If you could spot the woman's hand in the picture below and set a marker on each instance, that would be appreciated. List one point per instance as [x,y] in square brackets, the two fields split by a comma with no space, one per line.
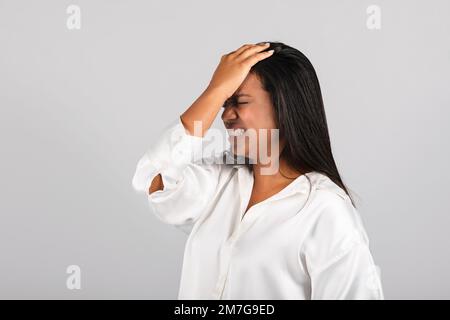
[229,75]
[235,66]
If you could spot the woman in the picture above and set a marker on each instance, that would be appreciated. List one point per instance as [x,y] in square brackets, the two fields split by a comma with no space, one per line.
[288,233]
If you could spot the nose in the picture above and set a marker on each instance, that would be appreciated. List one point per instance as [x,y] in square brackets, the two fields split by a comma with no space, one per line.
[229,113]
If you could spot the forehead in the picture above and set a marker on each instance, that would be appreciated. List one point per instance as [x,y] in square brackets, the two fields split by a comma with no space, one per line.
[250,85]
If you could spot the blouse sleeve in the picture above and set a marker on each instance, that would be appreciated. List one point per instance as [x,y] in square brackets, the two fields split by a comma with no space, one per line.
[338,258]
[188,184]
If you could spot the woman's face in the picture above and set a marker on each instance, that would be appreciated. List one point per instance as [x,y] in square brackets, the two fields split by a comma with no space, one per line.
[250,108]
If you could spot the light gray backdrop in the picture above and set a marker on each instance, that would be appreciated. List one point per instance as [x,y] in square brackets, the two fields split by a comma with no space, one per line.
[79,107]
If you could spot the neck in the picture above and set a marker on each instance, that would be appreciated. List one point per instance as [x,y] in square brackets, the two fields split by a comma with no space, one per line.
[283,175]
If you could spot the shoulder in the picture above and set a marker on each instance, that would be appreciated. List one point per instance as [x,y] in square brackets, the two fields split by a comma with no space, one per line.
[325,187]
[327,195]
[332,221]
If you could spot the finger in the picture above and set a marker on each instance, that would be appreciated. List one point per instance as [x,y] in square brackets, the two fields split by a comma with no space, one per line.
[242,48]
[238,50]
[252,60]
[252,50]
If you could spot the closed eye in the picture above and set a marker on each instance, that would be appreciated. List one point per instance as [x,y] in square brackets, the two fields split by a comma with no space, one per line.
[227,103]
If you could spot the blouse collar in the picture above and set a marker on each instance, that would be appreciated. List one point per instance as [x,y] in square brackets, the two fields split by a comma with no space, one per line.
[302,184]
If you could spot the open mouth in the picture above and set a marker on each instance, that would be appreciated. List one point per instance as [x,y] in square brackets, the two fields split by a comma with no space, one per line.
[236,132]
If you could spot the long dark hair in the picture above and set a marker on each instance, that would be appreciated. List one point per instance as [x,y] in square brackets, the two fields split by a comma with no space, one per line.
[290,79]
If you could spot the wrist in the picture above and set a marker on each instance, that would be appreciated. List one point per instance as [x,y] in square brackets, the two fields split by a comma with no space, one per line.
[217,92]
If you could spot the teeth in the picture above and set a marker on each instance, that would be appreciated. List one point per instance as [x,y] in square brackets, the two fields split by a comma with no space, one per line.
[236,132]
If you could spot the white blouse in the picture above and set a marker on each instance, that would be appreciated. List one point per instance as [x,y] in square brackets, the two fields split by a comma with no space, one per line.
[305,242]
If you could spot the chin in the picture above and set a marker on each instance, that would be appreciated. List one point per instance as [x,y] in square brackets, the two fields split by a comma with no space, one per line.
[241,153]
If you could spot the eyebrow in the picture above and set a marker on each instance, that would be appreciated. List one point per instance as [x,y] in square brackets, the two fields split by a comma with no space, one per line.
[235,96]
[242,95]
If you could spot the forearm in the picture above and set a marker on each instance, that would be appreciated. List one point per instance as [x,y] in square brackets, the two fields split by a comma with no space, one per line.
[205,110]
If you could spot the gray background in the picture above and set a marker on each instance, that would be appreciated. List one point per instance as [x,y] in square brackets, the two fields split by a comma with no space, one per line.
[79,108]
